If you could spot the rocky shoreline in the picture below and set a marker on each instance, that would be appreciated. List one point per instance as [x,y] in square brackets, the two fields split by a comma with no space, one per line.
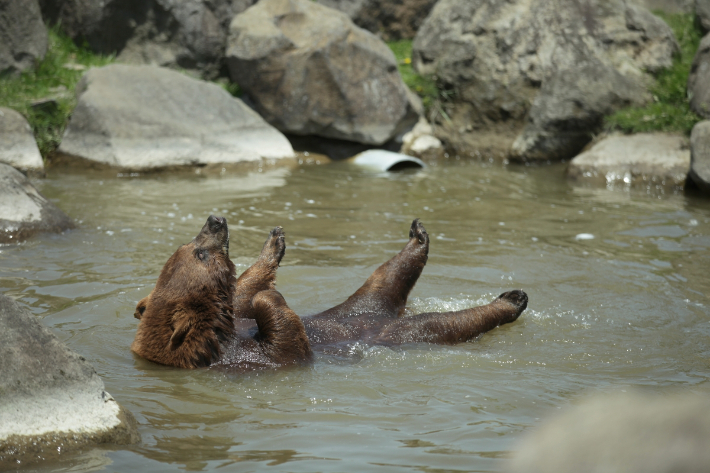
[529,81]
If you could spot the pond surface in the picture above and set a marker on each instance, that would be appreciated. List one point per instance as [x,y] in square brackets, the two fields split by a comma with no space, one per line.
[626,308]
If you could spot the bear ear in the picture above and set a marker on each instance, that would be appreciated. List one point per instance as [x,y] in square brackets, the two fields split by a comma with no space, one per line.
[140,308]
[182,328]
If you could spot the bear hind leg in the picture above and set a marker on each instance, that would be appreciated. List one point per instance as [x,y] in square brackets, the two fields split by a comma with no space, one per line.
[457,326]
[385,292]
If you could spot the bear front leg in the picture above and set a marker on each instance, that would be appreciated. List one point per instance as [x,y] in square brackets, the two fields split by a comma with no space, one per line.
[261,276]
[385,292]
[282,336]
[458,326]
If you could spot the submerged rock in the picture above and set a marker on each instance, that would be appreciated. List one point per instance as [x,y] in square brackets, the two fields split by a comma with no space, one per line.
[185,34]
[24,211]
[52,399]
[644,158]
[699,79]
[532,79]
[310,71]
[700,155]
[391,19]
[145,117]
[18,147]
[631,433]
[23,36]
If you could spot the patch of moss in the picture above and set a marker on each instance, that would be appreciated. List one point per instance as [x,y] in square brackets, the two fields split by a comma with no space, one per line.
[422,86]
[670,110]
[45,95]
[233,88]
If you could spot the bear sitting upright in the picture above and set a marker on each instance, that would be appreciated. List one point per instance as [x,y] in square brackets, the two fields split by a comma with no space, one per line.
[199,314]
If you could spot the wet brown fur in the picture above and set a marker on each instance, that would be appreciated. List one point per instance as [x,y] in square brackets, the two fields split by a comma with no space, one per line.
[188,320]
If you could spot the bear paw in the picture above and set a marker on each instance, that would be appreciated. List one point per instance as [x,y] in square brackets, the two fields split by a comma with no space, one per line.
[517,297]
[417,230]
[275,246]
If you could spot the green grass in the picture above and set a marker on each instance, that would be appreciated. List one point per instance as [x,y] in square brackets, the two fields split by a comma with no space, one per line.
[50,79]
[670,110]
[422,86]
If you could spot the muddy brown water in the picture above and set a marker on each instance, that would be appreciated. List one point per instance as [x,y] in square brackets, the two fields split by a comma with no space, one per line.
[626,309]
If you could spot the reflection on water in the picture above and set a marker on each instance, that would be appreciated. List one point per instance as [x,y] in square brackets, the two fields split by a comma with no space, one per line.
[628,307]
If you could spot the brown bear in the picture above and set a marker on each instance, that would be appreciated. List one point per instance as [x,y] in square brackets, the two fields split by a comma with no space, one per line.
[199,314]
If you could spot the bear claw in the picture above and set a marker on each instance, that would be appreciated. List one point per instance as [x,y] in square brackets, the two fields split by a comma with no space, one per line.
[417,229]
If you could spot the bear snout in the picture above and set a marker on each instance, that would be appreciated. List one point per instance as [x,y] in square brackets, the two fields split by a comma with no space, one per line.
[216,223]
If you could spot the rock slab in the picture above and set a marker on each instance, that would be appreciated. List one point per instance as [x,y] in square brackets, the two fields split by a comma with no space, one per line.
[657,158]
[23,36]
[310,71]
[24,211]
[631,433]
[18,147]
[145,117]
[699,79]
[700,155]
[541,74]
[52,398]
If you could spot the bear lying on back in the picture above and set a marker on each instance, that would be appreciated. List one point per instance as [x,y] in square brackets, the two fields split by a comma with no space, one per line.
[199,313]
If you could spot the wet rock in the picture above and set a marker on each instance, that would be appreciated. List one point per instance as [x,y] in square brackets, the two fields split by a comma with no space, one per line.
[700,155]
[643,158]
[52,399]
[699,79]
[390,19]
[23,36]
[145,117]
[24,211]
[18,147]
[633,433]
[539,75]
[702,12]
[420,142]
[186,34]
[310,71]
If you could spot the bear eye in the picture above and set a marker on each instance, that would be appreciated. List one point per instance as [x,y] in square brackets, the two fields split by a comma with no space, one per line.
[202,254]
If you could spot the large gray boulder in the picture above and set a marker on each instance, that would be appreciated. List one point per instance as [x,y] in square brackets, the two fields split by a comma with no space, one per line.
[24,211]
[699,79]
[23,36]
[533,79]
[655,159]
[51,399]
[185,34]
[310,71]
[145,117]
[18,147]
[390,19]
[700,155]
[630,433]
